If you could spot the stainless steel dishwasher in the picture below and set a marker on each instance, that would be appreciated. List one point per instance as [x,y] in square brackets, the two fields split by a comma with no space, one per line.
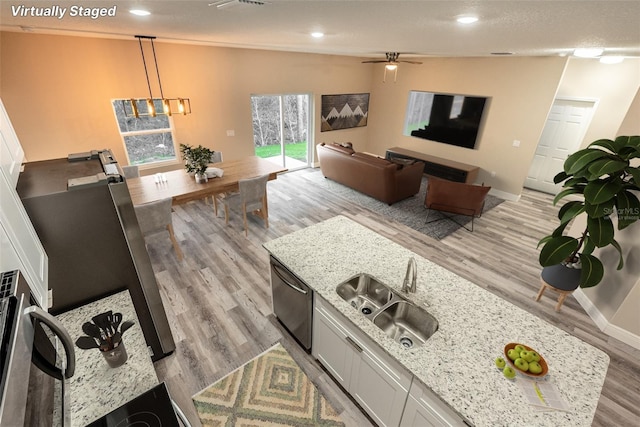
[292,303]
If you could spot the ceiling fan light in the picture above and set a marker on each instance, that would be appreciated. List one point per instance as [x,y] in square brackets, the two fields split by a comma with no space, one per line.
[391,67]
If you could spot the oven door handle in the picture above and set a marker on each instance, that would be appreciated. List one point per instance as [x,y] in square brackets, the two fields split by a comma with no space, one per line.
[57,328]
[286,282]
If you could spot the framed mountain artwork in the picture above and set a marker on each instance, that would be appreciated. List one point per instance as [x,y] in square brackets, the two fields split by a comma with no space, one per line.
[344,111]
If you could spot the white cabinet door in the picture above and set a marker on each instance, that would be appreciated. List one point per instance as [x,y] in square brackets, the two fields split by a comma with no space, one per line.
[11,153]
[377,383]
[377,390]
[425,409]
[25,241]
[330,346]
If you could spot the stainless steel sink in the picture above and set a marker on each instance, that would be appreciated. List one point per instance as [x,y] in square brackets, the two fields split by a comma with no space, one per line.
[364,293]
[406,323]
[400,319]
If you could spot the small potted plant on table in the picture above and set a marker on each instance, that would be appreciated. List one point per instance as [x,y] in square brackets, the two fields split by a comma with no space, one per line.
[196,160]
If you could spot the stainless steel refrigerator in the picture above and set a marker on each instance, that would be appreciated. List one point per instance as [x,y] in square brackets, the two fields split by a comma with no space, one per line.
[82,212]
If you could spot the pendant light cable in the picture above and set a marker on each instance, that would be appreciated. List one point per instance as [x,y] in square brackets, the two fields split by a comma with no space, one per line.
[144,62]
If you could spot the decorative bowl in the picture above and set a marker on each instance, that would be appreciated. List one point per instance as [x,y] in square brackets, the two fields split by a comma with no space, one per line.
[542,362]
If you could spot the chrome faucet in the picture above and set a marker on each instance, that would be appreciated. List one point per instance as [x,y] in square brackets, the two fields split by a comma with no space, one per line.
[410,278]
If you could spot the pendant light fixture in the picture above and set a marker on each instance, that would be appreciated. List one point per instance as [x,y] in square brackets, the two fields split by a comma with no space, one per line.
[169,105]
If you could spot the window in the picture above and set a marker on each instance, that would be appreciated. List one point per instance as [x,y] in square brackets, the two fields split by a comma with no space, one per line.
[146,139]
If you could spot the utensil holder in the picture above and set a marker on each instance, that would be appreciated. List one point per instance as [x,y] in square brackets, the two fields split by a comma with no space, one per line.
[116,356]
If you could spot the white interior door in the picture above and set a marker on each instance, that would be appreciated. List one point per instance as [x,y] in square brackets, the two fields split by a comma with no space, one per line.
[563,132]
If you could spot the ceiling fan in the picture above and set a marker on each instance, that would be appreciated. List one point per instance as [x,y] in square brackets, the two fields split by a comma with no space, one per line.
[392,64]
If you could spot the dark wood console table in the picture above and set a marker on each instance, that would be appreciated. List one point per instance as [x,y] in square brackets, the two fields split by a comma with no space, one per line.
[437,166]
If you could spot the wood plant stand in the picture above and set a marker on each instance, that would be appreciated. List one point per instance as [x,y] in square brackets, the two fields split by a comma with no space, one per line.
[563,294]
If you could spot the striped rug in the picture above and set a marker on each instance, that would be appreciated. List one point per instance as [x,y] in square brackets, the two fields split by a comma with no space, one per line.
[270,390]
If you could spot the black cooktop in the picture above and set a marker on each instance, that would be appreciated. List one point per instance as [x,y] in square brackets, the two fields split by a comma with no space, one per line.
[151,409]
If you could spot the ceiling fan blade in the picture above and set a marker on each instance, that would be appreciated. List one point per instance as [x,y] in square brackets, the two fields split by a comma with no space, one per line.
[374,61]
[410,62]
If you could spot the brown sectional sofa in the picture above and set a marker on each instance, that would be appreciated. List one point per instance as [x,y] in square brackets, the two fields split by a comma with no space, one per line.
[382,179]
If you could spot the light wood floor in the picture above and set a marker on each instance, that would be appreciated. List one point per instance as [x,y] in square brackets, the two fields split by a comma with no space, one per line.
[219,303]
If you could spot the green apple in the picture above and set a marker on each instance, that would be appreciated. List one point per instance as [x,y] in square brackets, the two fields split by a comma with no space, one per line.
[521,364]
[513,354]
[535,368]
[536,356]
[508,372]
[527,355]
[500,363]
[519,348]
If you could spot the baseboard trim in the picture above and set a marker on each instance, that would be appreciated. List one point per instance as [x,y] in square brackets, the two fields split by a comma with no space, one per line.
[504,195]
[603,323]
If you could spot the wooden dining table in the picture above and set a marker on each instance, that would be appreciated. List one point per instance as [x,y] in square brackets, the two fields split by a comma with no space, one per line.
[182,187]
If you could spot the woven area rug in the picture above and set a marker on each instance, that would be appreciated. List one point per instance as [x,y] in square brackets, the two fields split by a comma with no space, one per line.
[270,390]
[410,212]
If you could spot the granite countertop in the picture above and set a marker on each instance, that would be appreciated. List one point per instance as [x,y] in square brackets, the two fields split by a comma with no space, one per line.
[96,389]
[457,361]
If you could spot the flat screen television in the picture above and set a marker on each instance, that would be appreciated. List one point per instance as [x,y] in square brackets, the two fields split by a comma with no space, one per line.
[447,118]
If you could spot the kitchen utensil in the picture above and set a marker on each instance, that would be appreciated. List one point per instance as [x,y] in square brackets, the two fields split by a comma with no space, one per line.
[115,321]
[116,339]
[101,321]
[126,325]
[86,343]
[92,330]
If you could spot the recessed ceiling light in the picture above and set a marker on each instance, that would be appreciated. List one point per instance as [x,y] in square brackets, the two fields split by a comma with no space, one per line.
[317,34]
[612,59]
[588,52]
[140,12]
[467,19]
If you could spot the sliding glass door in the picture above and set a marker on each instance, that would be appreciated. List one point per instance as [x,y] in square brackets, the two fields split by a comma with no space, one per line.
[281,129]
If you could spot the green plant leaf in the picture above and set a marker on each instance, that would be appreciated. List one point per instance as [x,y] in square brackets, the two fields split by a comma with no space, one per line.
[576,182]
[616,245]
[600,231]
[627,208]
[592,271]
[557,250]
[627,141]
[581,159]
[628,153]
[570,210]
[606,143]
[560,176]
[544,240]
[558,231]
[587,246]
[606,167]
[600,210]
[600,191]
[566,192]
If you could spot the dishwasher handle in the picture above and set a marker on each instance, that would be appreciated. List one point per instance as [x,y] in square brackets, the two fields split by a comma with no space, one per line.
[286,282]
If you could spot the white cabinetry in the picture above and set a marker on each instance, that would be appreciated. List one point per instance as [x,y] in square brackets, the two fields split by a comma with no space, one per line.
[425,409]
[19,238]
[372,378]
[11,153]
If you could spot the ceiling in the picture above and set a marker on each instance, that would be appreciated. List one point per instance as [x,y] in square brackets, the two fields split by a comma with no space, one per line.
[363,28]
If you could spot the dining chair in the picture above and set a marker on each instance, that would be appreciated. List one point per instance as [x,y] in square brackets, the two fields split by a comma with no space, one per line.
[131,171]
[154,217]
[216,157]
[251,197]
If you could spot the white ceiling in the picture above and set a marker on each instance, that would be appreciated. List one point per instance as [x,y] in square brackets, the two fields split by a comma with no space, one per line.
[362,28]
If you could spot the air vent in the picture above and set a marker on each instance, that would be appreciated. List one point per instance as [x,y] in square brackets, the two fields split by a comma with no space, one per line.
[228,3]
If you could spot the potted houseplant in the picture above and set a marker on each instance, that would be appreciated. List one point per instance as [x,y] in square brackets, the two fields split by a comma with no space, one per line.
[600,180]
[196,160]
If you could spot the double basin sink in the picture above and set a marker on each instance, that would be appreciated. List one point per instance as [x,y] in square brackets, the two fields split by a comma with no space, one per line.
[400,319]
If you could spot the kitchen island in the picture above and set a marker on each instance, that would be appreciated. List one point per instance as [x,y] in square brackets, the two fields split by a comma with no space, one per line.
[456,363]
[96,389]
